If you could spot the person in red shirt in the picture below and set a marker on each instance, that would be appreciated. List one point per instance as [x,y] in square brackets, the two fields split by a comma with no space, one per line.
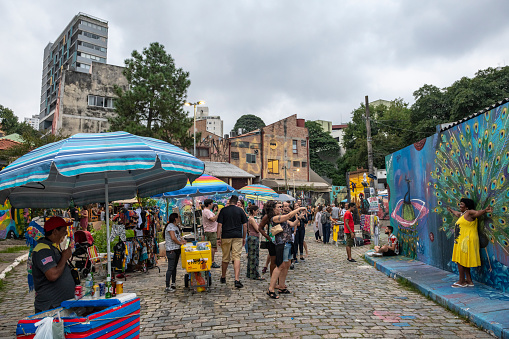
[349,230]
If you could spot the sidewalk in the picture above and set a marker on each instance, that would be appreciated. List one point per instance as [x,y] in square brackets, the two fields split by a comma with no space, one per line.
[484,306]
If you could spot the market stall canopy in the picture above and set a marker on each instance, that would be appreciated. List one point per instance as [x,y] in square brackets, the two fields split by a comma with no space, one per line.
[259,190]
[315,186]
[82,167]
[285,197]
[204,185]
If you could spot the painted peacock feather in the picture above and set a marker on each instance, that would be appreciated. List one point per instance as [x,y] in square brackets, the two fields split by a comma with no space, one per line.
[472,161]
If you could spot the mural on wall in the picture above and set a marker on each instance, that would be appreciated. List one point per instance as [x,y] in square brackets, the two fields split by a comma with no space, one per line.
[338,194]
[467,160]
[8,227]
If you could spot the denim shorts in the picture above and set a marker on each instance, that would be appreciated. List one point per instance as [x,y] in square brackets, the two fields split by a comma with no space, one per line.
[287,253]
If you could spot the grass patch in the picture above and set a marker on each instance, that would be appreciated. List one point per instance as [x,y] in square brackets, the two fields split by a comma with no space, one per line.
[14,249]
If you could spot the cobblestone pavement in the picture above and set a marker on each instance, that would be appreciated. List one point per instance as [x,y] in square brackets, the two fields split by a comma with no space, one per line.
[331,298]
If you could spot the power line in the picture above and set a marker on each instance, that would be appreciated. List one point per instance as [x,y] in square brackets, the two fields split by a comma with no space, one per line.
[403,129]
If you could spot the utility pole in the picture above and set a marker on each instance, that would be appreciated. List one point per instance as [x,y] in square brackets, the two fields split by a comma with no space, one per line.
[370,146]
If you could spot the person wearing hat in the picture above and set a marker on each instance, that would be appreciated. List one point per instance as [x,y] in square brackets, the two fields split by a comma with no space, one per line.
[53,281]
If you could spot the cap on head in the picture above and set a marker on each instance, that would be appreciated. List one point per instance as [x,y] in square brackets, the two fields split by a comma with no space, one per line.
[55,222]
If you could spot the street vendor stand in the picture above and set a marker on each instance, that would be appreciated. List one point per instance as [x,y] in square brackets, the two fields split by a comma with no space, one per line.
[196,259]
[97,167]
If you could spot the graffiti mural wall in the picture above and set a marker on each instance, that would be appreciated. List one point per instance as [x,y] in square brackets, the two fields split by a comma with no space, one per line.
[467,160]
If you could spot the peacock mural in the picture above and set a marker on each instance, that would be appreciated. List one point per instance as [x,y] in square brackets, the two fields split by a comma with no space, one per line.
[469,159]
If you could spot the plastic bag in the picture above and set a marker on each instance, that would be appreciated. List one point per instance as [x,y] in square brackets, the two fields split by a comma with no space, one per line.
[44,328]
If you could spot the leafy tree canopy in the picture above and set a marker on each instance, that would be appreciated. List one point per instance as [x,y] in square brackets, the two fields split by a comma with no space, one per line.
[323,151]
[153,104]
[249,122]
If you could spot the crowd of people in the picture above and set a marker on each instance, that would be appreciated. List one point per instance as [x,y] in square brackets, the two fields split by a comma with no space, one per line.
[278,227]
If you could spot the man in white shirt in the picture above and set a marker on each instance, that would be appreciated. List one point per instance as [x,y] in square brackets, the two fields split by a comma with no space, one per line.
[392,247]
[209,220]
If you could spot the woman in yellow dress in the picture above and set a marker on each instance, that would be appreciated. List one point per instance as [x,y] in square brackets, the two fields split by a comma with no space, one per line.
[465,252]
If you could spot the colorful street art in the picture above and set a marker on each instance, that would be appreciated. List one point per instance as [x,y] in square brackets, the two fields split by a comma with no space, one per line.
[8,227]
[338,194]
[467,160]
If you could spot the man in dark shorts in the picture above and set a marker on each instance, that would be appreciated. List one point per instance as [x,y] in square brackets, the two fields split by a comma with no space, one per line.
[349,231]
[392,248]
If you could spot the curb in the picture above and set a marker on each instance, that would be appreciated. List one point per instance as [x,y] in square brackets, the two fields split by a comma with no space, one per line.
[16,262]
[479,319]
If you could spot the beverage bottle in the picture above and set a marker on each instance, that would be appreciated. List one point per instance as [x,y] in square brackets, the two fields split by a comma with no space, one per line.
[113,286]
[108,287]
[89,283]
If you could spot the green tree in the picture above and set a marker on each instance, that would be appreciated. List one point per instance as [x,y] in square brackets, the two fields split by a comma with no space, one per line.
[153,104]
[323,152]
[8,120]
[249,122]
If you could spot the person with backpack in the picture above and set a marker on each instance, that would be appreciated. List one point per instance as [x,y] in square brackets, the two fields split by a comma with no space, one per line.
[173,237]
[326,220]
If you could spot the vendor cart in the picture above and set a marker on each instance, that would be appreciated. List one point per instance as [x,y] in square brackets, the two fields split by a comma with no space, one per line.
[197,260]
[117,317]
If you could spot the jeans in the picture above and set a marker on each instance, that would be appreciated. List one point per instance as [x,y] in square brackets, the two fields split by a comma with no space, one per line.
[299,239]
[326,233]
[173,259]
[287,252]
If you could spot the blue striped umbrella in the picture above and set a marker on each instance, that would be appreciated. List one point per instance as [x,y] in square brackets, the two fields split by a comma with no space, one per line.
[77,169]
[96,167]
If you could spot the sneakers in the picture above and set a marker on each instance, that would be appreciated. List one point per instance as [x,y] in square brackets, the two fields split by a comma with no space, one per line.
[223,280]
[238,284]
[292,266]
[170,289]
[214,265]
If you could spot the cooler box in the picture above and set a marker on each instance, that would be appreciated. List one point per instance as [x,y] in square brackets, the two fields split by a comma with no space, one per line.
[117,317]
[196,258]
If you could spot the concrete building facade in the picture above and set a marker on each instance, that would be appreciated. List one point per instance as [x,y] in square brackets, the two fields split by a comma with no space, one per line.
[87,100]
[33,121]
[84,40]
[214,124]
[338,131]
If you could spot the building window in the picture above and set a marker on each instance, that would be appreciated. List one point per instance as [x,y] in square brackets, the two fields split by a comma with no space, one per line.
[251,158]
[235,155]
[273,166]
[93,36]
[304,164]
[294,146]
[98,101]
[85,66]
[92,46]
[203,152]
[89,24]
[303,143]
[296,164]
[92,57]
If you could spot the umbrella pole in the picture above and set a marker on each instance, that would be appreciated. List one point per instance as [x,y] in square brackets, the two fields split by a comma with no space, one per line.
[107,222]
[194,220]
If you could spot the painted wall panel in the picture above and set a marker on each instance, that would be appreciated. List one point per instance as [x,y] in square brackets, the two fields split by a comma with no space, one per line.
[467,160]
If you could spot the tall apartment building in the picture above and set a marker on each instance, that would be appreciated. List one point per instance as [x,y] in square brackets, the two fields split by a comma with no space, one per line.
[33,121]
[214,123]
[85,39]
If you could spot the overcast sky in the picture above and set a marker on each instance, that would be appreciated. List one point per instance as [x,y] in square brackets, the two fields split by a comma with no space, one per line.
[316,59]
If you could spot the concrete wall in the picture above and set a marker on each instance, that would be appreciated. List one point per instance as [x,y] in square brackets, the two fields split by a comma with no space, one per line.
[76,116]
[254,147]
[467,160]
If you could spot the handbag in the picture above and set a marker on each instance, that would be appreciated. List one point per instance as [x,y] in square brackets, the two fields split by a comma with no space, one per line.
[264,244]
[276,229]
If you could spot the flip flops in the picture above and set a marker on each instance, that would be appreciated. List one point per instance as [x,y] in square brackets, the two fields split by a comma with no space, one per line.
[272,295]
[284,291]
[456,285]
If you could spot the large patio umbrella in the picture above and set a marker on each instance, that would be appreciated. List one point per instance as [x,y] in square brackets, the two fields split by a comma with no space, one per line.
[285,197]
[259,190]
[204,185]
[96,167]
